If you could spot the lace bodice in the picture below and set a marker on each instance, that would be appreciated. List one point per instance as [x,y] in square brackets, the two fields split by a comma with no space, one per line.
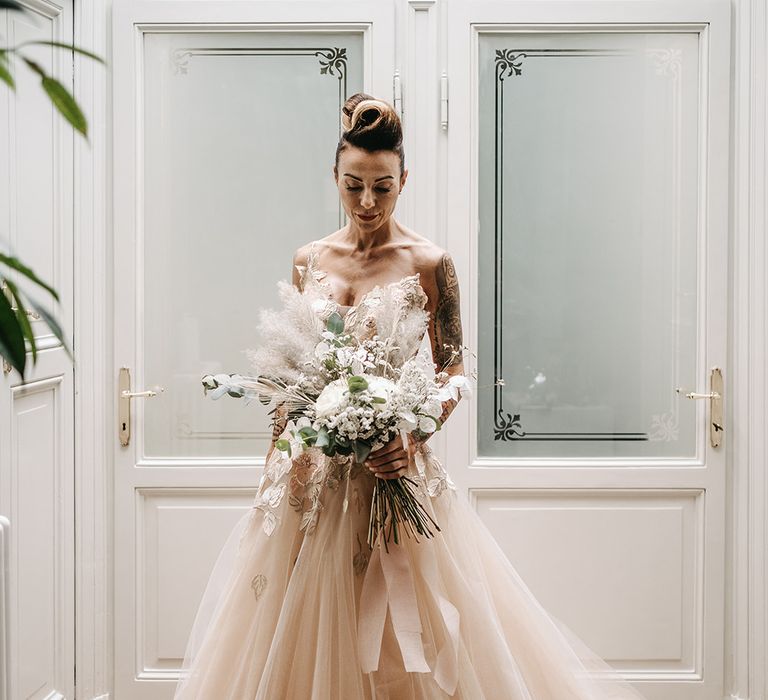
[379,311]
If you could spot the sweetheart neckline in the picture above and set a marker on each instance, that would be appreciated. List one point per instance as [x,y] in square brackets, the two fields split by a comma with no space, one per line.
[324,285]
[373,289]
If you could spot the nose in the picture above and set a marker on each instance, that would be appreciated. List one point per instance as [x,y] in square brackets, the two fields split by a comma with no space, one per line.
[367,200]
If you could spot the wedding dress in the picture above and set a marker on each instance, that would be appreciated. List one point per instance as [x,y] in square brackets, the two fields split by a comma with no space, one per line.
[299,607]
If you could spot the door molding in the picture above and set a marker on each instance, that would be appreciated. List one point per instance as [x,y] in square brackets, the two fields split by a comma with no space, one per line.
[94,379]
[747,541]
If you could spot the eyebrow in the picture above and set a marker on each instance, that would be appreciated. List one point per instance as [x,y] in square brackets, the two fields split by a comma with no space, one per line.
[376,180]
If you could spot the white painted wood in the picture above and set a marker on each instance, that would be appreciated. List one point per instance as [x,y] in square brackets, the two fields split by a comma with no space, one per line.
[5,607]
[93,380]
[747,639]
[686,659]
[36,418]
[157,587]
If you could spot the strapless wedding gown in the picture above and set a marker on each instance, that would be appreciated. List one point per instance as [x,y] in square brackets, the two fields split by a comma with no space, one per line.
[299,607]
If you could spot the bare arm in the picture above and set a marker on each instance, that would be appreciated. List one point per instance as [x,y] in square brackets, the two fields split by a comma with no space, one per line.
[445,331]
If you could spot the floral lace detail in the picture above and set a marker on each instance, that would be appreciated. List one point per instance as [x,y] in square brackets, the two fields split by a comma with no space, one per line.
[268,500]
[432,474]
[258,584]
[361,558]
[312,491]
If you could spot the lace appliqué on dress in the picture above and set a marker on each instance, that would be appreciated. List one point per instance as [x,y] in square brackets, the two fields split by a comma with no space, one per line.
[432,474]
[258,584]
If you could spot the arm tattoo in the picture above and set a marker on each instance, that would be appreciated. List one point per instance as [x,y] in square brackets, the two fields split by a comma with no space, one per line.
[447,340]
[447,320]
[279,421]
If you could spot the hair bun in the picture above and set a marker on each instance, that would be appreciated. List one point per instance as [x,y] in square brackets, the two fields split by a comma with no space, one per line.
[371,124]
[366,113]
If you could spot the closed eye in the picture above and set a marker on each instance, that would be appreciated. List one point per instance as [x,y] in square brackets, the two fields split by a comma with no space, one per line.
[379,189]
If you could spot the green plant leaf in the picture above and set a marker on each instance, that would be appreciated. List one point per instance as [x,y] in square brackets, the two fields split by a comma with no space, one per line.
[16,264]
[356,383]
[283,445]
[11,337]
[23,319]
[323,439]
[52,323]
[5,74]
[34,65]
[362,450]
[66,104]
[60,97]
[335,323]
[72,47]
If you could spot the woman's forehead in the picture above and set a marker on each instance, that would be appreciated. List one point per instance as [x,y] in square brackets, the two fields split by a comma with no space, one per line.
[367,164]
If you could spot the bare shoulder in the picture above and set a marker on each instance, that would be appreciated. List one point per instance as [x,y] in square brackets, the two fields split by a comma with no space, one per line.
[300,256]
[427,255]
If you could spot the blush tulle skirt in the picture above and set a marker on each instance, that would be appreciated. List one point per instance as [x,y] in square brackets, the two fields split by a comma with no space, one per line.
[299,607]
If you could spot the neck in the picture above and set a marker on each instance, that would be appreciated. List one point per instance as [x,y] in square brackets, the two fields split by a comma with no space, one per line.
[364,241]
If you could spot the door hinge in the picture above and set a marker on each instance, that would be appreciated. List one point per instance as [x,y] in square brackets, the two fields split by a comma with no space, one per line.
[397,94]
[444,101]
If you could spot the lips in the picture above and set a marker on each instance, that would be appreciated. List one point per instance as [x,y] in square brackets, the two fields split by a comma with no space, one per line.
[367,218]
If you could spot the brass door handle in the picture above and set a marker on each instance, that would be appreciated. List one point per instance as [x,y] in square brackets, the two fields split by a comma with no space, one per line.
[715,397]
[124,403]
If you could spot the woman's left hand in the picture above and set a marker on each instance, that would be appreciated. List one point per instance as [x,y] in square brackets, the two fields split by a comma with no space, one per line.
[391,461]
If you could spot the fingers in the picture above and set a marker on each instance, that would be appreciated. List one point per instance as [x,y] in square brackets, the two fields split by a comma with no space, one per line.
[390,461]
[393,445]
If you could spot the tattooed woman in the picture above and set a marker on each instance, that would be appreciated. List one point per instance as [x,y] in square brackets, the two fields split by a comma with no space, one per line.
[300,606]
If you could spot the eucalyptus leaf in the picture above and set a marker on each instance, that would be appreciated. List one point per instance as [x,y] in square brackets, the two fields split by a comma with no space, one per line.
[323,439]
[283,445]
[335,323]
[362,450]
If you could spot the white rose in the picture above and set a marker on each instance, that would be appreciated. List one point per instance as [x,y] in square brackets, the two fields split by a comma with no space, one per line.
[380,387]
[331,398]
[426,424]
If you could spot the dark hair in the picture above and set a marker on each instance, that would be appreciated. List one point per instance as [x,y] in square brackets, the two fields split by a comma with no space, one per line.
[372,124]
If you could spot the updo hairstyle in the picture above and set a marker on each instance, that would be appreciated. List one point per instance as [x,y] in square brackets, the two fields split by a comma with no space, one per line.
[371,124]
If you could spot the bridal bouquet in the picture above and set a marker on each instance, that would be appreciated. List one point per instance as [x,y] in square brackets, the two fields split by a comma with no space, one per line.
[348,393]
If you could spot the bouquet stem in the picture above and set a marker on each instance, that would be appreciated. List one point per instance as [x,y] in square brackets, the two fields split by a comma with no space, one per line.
[394,502]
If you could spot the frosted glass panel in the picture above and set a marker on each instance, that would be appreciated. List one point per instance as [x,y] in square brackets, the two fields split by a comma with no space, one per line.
[240,138]
[588,244]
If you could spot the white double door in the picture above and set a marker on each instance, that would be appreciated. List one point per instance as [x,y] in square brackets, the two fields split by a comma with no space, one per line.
[572,158]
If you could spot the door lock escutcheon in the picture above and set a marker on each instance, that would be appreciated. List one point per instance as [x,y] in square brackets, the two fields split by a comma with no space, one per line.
[715,396]
[124,403]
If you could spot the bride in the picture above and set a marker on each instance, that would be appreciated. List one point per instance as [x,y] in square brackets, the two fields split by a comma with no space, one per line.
[298,605]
